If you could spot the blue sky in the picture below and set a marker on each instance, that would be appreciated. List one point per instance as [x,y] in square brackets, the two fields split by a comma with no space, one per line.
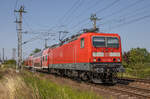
[129,18]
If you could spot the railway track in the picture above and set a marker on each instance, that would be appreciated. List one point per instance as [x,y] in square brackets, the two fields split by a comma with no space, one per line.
[133,91]
[126,91]
[135,80]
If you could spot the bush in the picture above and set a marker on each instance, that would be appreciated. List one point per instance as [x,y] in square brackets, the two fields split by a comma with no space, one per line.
[139,71]
[12,62]
[137,61]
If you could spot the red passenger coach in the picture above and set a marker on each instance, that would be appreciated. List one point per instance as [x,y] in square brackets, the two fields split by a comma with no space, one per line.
[37,60]
[30,61]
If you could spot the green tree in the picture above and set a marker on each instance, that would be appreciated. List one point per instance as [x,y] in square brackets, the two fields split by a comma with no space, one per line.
[137,59]
[138,55]
[10,62]
[35,51]
[125,61]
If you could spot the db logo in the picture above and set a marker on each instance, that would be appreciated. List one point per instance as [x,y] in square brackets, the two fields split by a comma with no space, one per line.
[106,60]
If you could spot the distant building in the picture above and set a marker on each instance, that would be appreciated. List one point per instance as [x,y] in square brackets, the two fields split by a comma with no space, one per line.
[14,54]
[0,61]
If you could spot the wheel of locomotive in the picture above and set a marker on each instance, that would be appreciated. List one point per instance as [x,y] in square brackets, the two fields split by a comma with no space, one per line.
[74,74]
[58,72]
[114,77]
[84,76]
[69,73]
[96,78]
[62,72]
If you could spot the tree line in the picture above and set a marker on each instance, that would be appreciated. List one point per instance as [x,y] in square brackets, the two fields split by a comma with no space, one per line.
[137,62]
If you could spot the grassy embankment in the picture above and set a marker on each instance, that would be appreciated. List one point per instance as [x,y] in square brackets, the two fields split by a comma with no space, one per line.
[27,85]
[46,89]
[141,71]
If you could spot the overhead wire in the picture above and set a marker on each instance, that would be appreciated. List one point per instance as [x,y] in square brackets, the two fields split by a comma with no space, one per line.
[132,21]
[126,14]
[134,16]
[68,18]
[88,8]
[123,9]
[63,18]
[82,21]
[130,14]
[102,9]
[33,39]
[27,24]
[136,10]
[40,36]
[105,8]
[15,6]
[108,6]
[68,11]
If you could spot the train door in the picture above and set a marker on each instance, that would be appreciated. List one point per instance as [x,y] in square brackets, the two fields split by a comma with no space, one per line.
[50,55]
[41,61]
[74,56]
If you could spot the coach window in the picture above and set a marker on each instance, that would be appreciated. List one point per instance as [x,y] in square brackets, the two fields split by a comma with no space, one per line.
[82,43]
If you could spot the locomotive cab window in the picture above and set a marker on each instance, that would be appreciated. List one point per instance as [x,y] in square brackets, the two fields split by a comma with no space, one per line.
[82,43]
[99,41]
[112,42]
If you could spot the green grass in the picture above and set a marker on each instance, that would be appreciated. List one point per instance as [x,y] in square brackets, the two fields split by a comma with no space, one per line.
[137,73]
[1,76]
[13,66]
[36,86]
[45,89]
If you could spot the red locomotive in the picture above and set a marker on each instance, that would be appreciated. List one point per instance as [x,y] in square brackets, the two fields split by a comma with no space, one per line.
[90,56]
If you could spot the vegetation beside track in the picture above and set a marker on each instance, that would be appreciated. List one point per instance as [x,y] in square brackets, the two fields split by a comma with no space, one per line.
[46,89]
[29,85]
[140,73]
[137,63]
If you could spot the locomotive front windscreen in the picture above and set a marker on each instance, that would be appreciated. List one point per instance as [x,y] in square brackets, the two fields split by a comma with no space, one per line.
[99,41]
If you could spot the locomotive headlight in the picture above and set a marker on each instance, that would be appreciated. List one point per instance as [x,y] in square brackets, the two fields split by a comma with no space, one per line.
[94,60]
[118,59]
